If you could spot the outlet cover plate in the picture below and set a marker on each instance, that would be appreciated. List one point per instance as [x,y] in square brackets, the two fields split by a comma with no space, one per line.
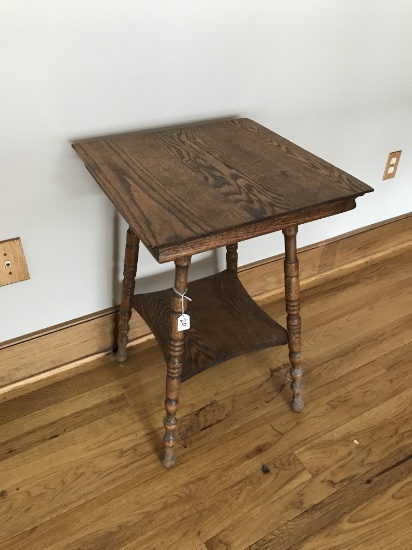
[391,165]
[13,267]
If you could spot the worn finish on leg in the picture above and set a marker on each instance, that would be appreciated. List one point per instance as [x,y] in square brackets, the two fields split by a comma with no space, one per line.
[293,315]
[231,257]
[175,361]
[129,275]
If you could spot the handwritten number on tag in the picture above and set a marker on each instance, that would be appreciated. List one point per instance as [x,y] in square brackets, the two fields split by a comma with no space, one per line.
[183,322]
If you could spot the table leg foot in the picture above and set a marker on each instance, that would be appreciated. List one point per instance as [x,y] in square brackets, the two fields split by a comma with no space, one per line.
[121,356]
[129,275]
[169,457]
[292,294]
[296,385]
[169,462]
[175,361]
[297,404]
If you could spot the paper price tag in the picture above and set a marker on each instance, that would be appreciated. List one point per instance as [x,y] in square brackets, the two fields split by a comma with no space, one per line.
[183,322]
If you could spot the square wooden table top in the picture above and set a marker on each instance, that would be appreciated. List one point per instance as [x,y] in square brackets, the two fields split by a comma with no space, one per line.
[192,188]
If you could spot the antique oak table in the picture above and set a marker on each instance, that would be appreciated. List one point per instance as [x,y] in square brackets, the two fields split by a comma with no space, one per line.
[194,188]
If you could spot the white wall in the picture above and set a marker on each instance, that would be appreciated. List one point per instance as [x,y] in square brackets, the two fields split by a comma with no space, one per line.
[335,77]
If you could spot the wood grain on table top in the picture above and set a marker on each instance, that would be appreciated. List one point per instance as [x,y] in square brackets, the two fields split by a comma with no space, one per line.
[179,184]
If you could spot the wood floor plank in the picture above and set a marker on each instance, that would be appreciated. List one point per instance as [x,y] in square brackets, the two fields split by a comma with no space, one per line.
[348,404]
[367,507]
[364,441]
[105,371]
[264,520]
[269,400]
[143,528]
[327,481]
[63,425]
[372,318]
[397,356]
[63,475]
[339,463]
[271,527]
[153,505]
[228,506]
[366,344]
[66,407]
[386,516]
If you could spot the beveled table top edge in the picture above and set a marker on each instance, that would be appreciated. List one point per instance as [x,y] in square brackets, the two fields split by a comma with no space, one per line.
[190,247]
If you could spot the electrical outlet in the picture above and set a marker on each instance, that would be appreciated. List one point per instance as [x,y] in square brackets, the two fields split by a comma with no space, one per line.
[13,267]
[391,165]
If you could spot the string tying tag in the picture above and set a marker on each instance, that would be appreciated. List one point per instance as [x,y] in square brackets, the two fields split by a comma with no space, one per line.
[183,321]
[183,296]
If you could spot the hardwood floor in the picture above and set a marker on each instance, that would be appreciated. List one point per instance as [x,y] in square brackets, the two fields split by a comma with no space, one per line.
[79,458]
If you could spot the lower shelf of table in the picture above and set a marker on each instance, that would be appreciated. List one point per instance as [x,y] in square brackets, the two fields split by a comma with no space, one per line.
[225,322]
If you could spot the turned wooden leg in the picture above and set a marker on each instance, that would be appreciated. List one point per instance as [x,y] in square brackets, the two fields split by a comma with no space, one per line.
[129,275]
[231,257]
[175,361]
[293,315]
